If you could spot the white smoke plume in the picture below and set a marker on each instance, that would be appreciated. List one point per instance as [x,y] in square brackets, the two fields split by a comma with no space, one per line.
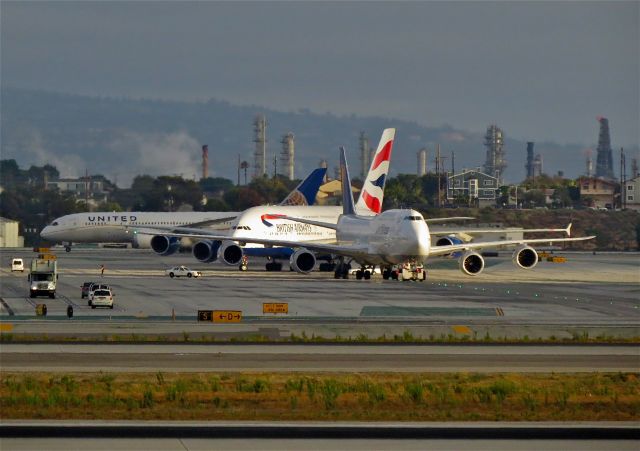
[31,150]
[154,154]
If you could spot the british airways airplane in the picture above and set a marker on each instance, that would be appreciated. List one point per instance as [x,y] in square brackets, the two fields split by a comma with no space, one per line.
[271,222]
[122,227]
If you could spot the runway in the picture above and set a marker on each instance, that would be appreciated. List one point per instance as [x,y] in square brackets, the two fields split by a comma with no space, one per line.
[587,296]
[318,358]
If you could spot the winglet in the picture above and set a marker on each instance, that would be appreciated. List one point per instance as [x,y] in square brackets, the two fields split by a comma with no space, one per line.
[305,193]
[347,195]
[568,230]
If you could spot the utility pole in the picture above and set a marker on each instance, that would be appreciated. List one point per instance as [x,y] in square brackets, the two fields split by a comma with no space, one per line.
[623,181]
[438,173]
[453,163]
[238,170]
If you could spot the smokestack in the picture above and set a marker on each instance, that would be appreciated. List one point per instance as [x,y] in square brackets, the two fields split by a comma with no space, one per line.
[288,152]
[260,155]
[205,161]
[325,165]
[422,162]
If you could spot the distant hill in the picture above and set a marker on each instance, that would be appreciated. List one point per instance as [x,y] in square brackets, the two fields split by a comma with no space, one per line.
[122,137]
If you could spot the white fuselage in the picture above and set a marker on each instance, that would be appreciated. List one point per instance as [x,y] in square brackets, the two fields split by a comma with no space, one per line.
[392,237]
[103,227]
[263,222]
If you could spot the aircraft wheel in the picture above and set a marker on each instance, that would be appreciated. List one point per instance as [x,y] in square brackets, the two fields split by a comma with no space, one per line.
[367,275]
[189,275]
[67,248]
[172,275]
[359,274]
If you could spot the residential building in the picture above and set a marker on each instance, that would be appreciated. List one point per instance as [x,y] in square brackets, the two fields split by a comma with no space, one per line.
[473,187]
[599,193]
[632,194]
[93,189]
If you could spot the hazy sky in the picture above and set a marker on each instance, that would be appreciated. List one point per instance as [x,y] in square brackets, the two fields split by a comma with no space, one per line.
[540,70]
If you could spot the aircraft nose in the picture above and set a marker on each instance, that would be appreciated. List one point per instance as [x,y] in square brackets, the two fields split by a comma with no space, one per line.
[46,232]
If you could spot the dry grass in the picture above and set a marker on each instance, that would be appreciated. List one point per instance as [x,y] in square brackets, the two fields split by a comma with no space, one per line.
[326,397]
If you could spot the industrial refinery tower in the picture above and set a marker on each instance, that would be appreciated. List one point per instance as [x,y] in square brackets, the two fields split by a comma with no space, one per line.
[287,156]
[260,155]
[604,162]
[495,163]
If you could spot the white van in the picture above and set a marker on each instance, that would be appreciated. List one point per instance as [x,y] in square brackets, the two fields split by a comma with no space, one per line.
[17,265]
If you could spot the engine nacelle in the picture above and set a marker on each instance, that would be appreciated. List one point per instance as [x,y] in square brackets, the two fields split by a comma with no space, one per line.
[165,245]
[141,241]
[206,251]
[525,257]
[302,261]
[230,253]
[471,263]
[449,240]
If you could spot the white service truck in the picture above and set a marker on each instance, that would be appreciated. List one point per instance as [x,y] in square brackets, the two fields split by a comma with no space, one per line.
[43,278]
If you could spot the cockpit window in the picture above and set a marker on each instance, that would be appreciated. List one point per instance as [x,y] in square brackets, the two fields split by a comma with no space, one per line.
[412,218]
[54,223]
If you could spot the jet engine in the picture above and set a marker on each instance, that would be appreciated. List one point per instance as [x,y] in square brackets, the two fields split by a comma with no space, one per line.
[206,251]
[141,241]
[525,257]
[302,261]
[229,253]
[165,245]
[471,263]
[449,240]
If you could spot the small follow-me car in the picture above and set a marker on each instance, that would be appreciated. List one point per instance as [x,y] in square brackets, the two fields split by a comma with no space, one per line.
[181,271]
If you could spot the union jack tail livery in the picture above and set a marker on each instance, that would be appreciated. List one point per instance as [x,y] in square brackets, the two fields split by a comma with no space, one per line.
[370,201]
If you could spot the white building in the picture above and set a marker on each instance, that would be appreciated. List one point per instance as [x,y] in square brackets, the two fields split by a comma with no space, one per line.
[9,233]
[632,194]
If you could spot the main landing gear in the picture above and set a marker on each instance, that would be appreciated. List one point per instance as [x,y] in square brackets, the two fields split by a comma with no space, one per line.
[342,270]
[364,273]
[67,247]
[273,266]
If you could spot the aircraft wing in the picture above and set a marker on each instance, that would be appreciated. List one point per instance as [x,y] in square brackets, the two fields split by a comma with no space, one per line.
[210,222]
[346,248]
[445,250]
[451,219]
[566,230]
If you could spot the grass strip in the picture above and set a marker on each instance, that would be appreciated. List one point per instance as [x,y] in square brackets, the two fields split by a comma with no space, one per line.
[406,337]
[323,397]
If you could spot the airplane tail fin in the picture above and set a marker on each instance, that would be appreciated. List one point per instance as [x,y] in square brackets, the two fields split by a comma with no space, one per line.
[305,193]
[372,194]
[347,195]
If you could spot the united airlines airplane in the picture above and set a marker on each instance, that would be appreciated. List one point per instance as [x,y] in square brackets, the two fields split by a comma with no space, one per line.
[122,227]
